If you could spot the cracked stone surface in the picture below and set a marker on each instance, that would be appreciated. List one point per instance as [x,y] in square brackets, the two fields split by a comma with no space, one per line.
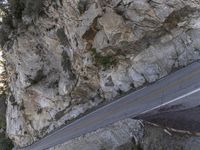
[80,53]
[132,135]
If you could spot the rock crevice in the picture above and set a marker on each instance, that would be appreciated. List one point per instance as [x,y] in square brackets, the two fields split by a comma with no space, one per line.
[75,54]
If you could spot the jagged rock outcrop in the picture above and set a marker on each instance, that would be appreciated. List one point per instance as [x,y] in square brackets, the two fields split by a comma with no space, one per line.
[125,134]
[131,135]
[74,54]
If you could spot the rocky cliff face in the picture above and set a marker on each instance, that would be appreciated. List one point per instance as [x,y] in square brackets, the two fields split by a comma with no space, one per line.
[67,56]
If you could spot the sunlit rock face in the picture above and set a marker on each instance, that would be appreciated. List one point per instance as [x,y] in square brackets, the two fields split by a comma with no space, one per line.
[77,54]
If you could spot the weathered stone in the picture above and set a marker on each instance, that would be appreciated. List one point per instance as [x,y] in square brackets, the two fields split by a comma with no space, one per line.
[132,135]
[75,54]
[111,137]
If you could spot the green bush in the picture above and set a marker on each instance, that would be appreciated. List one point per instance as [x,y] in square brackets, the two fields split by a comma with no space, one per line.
[5,143]
[16,8]
[104,61]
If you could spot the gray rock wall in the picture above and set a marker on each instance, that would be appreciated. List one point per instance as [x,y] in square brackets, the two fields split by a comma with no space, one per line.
[76,54]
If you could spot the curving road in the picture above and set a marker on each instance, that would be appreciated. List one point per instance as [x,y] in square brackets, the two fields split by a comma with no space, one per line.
[178,91]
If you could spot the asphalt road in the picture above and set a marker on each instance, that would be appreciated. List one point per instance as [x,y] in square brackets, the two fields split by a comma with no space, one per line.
[179,89]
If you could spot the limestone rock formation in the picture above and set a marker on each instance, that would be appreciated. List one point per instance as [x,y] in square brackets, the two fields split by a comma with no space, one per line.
[131,135]
[126,133]
[74,54]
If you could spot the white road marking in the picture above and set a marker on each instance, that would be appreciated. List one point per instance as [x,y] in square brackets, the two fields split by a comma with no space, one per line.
[173,100]
[41,143]
[106,106]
